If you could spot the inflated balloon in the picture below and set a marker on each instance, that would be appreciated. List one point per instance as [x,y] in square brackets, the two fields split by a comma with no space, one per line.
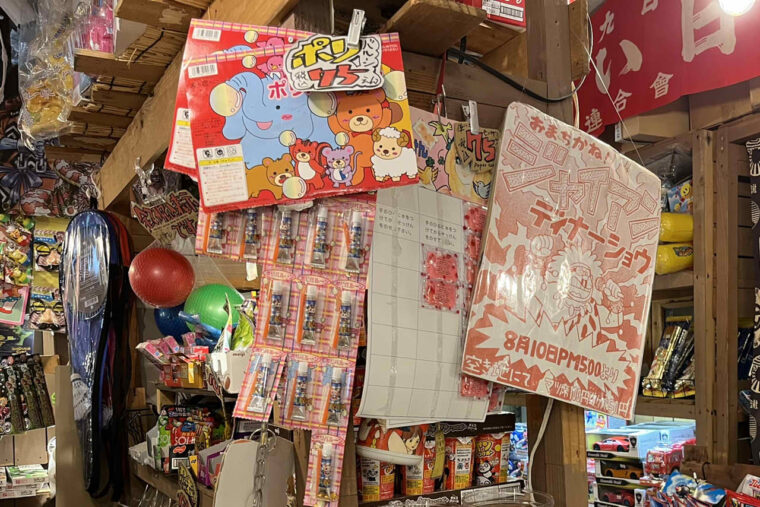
[161,277]
[208,303]
[169,321]
[294,187]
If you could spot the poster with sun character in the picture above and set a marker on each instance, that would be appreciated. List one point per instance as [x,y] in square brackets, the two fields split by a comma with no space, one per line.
[440,166]
[259,142]
[206,38]
[562,297]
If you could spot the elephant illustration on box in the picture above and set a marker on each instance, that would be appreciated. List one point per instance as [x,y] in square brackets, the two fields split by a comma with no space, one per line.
[258,111]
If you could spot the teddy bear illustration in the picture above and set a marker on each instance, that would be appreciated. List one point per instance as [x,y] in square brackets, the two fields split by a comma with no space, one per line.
[357,115]
[270,175]
[392,156]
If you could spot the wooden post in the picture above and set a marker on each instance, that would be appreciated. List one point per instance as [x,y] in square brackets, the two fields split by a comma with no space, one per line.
[559,464]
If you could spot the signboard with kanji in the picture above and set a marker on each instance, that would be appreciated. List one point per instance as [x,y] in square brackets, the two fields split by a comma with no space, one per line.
[562,297]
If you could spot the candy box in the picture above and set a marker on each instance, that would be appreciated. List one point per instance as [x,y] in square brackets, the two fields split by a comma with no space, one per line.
[259,142]
[401,446]
[377,480]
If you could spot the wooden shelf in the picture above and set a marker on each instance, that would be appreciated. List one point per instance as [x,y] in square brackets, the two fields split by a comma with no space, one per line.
[194,392]
[679,280]
[665,407]
[515,399]
[167,484]
[431,27]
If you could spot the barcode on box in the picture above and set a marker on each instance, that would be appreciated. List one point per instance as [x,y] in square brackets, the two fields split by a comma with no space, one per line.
[207,34]
[207,69]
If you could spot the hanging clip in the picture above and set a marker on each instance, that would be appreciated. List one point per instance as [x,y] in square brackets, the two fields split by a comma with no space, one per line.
[439,104]
[358,19]
[471,114]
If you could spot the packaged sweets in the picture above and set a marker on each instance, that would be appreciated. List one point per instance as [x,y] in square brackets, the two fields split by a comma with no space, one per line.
[418,479]
[491,458]
[459,456]
[377,480]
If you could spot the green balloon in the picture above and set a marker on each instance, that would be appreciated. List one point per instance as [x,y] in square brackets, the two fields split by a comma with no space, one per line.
[208,302]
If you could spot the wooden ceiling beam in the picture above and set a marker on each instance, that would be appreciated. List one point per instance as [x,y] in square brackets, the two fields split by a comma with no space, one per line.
[88,143]
[99,63]
[118,99]
[73,154]
[104,119]
[164,14]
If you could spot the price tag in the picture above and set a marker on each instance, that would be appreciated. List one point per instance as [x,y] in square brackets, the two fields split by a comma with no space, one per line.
[476,151]
[328,63]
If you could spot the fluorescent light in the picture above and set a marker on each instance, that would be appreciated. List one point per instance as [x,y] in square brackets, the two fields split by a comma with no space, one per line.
[736,7]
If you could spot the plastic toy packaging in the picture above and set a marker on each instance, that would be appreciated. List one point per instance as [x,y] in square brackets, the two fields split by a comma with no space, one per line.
[233,234]
[300,377]
[261,381]
[336,379]
[325,468]
[319,236]
[277,320]
[356,248]
[346,331]
[676,228]
[674,257]
[310,324]
[287,235]
[674,336]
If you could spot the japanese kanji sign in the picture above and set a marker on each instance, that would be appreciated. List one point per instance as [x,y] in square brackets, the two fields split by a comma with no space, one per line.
[648,53]
[328,63]
[562,297]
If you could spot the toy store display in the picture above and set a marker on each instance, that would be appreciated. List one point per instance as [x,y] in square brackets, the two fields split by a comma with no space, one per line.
[97,300]
[671,372]
[423,270]
[580,221]
[17,263]
[45,303]
[24,399]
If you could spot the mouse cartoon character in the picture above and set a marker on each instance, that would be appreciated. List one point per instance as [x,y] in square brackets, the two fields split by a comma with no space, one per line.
[340,166]
[258,110]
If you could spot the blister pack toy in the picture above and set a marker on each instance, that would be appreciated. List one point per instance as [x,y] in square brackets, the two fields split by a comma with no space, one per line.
[260,384]
[325,468]
[262,142]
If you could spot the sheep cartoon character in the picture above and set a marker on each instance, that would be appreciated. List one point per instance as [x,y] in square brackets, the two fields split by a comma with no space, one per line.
[392,155]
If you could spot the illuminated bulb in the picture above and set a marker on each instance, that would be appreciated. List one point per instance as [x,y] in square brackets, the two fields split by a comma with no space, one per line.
[736,7]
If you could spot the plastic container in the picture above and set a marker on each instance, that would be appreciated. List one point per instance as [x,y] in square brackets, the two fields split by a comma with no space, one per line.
[674,257]
[505,498]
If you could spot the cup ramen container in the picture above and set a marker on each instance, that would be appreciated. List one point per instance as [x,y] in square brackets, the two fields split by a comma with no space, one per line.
[459,457]
[475,498]
[377,480]
[491,458]
[418,479]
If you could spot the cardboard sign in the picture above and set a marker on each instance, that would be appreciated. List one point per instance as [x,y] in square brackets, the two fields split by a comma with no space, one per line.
[206,38]
[440,167]
[258,141]
[562,298]
[174,216]
[476,151]
[327,63]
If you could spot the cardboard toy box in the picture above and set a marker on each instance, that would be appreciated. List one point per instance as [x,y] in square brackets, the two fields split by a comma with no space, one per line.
[621,443]
[629,495]
[612,471]
[27,475]
[509,13]
[670,432]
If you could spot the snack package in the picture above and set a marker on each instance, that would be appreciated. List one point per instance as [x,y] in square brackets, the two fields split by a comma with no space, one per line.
[261,381]
[206,38]
[260,138]
[418,479]
[377,480]
[680,197]
[676,331]
[402,446]
[459,461]
[325,470]
[491,459]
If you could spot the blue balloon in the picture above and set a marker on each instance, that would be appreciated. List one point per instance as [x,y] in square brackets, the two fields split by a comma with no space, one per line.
[169,321]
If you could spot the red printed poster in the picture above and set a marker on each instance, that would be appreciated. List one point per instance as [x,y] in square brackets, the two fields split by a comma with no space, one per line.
[205,39]
[259,142]
[562,296]
[648,53]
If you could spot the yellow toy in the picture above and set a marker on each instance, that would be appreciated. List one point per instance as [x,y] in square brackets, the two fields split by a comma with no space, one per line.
[674,257]
[676,227]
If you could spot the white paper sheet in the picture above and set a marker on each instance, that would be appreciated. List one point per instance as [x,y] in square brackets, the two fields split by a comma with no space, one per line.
[413,356]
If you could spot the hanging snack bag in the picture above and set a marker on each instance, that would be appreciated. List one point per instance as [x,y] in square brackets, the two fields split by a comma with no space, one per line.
[491,453]
[459,457]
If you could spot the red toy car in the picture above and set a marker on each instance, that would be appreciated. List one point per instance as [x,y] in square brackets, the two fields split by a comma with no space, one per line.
[621,497]
[619,444]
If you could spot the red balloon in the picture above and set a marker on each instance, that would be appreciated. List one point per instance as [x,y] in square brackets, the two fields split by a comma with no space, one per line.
[161,277]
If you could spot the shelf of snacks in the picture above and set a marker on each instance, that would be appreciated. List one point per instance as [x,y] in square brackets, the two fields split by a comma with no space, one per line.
[665,407]
[167,484]
[192,391]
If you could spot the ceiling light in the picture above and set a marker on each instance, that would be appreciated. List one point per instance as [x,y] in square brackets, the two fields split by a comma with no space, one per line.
[736,7]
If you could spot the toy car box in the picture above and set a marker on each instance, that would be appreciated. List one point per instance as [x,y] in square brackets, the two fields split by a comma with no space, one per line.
[621,442]
[625,469]
[670,432]
[627,495]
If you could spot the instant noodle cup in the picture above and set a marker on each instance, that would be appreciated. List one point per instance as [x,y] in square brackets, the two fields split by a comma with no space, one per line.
[418,479]
[459,458]
[491,455]
[377,480]
[401,446]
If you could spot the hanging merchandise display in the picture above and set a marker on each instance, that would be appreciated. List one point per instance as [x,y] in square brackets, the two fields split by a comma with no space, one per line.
[45,303]
[96,300]
[300,146]
[576,246]
[17,263]
[753,149]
